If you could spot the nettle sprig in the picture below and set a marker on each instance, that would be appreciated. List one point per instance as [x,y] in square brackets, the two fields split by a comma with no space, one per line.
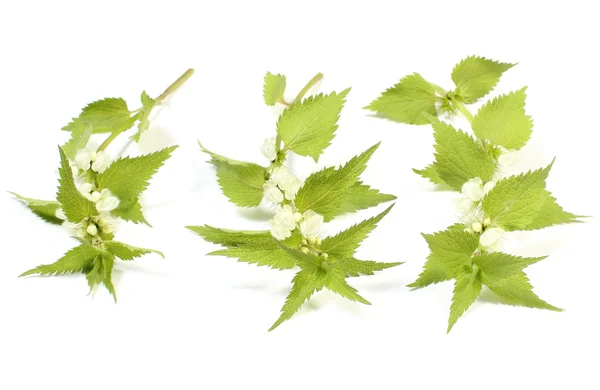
[306,128]
[491,203]
[94,192]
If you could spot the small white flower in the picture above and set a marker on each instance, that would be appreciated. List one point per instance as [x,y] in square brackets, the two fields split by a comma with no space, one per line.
[83,159]
[86,188]
[96,197]
[272,193]
[82,232]
[292,190]
[286,181]
[71,228]
[269,149]
[107,201]
[297,216]
[311,225]
[279,232]
[60,214]
[507,158]
[92,229]
[473,189]
[491,238]
[477,227]
[464,206]
[487,222]
[283,223]
[101,161]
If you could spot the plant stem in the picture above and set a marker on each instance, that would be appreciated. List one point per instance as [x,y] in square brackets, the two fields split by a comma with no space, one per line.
[170,89]
[462,109]
[439,90]
[308,86]
[176,84]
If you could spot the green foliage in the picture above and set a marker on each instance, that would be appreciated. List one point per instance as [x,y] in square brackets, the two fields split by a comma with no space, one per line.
[324,191]
[345,244]
[80,135]
[407,101]
[44,209]
[104,116]
[128,177]
[459,157]
[75,206]
[354,267]
[148,105]
[242,183]
[503,121]
[361,196]
[467,288]
[475,77]
[517,290]
[128,252]
[551,213]
[274,88]
[452,250]
[515,202]
[76,260]
[308,127]
[497,266]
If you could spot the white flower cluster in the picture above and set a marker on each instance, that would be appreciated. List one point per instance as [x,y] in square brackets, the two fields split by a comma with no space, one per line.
[97,161]
[104,200]
[282,187]
[470,213]
[269,149]
[281,182]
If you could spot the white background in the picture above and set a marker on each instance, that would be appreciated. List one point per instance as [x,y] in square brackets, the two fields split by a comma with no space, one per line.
[198,322]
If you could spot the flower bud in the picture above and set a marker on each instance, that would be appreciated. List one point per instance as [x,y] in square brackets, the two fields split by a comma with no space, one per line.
[92,229]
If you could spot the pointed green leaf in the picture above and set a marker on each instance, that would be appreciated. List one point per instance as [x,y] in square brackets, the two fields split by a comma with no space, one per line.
[305,284]
[323,191]
[475,77]
[459,157]
[514,202]
[228,237]
[406,101]
[75,260]
[496,266]
[216,158]
[433,272]
[430,172]
[108,262]
[104,116]
[466,290]
[75,206]
[242,183]
[44,209]
[128,252]
[336,283]
[345,243]
[361,196]
[308,127]
[451,249]
[261,253]
[128,177]
[274,88]
[354,267]
[551,214]
[516,290]
[503,121]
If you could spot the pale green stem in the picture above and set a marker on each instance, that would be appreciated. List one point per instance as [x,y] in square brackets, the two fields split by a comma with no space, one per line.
[462,109]
[308,86]
[439,90]
[175,86]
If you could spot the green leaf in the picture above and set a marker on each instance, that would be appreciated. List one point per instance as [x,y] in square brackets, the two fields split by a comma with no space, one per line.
[361,196]
[128,252]
[104,116]
[516,290]
[308,127]
[354,267]
[406,101]
[216,158]
[148,105]
[496,266]
[44,209]
[108,262]
[551,214]
[75,260]
[95,273]
[466,290]
[80,135]
[514,202]
[228,237]
[475,77]
[274,88]
[323,192]
[75,206]
[459,157]
[503,121]
[336,283]
[242,183]
[128,177]
[452,249]
[131,210]
[433,272]
[345,243]
[305,284]
[430,172]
